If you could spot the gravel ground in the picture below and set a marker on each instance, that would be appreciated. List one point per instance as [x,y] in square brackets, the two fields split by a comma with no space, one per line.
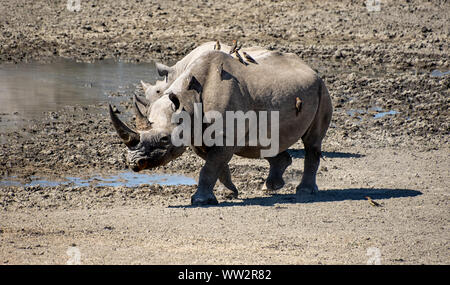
[372,62]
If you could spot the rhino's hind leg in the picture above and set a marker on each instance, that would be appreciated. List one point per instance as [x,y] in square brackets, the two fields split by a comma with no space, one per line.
[225,179]
[312,140]
[278,165]
[312,159]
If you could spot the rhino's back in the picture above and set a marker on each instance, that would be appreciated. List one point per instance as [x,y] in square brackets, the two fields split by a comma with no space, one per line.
[278,79]
[183,64]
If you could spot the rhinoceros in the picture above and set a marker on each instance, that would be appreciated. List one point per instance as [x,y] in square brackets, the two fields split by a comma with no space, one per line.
[170,73]
[220,83]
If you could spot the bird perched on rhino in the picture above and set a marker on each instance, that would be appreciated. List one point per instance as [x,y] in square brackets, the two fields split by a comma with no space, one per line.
[298,105]
[217,45]
[249,58]
[233,48]
[239,47]
[220,70]
[239,57]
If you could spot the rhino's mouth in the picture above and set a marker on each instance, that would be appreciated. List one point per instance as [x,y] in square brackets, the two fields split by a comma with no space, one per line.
[147,164]
[139,162]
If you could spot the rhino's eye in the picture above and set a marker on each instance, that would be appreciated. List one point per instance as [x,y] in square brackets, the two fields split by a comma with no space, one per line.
[157,91]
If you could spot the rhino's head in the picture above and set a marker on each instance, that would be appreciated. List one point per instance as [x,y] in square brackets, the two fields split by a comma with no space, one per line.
[150,145]
[154,92]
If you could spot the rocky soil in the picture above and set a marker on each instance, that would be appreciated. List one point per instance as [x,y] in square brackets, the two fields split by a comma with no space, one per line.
[372,62]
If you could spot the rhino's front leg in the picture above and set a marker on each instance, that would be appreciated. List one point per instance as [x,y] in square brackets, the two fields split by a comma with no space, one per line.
[224,176]
[216,160]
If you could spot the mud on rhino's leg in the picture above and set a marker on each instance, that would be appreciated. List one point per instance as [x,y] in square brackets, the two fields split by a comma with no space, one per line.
[278,165]
[216,160]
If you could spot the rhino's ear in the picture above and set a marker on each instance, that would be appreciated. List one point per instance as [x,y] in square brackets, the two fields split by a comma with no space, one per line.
[186,101]
[220,70]
[163,70]
[145,86]
[195,85]
[175,101]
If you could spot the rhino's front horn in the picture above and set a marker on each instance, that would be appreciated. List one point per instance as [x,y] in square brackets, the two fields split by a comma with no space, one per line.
[129,137]
[142,122]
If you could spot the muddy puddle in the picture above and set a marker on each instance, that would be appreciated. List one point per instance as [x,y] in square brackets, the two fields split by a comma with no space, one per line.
[127,179]
[29,89]
[374,112]
[438,73]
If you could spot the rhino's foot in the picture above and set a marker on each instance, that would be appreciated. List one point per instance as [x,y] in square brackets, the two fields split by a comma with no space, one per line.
[203,200]
[304,188]
[225,179]
[232,195]
[274,183]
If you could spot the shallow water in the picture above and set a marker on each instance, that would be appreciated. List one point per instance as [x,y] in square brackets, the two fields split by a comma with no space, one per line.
[376,112]
[32,88]
[128,179]
[382,114]
[438,73]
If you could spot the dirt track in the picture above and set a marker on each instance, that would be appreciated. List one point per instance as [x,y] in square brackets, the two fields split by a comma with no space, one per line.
[369,61]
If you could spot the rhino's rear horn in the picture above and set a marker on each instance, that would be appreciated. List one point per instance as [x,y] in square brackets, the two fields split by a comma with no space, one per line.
[142,123]
[129,137]
[144,101]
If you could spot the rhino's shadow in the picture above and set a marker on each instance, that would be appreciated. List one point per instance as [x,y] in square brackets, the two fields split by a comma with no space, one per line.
[332,195]
[300,153]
